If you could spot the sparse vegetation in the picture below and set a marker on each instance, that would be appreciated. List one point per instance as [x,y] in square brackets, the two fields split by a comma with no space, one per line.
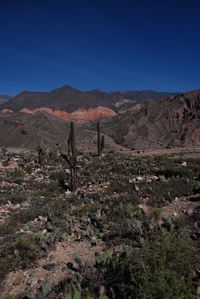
[120,211]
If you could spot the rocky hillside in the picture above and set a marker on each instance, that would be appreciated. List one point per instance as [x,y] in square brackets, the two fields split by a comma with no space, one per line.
[166,123]
[24,130]
[72,104]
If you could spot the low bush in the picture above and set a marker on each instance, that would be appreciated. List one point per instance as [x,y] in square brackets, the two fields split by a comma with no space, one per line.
[162,268]
[175,171]
[15,197]
[120,186]
[21,253]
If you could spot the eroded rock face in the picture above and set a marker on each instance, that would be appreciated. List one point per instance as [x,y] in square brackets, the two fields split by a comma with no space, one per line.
[92,113]
[5,111]
[77,115]
[167,123]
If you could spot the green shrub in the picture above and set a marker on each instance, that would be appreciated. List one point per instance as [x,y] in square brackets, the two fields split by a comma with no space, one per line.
[60,207]
[20,253]
[25,250]
[174,171]
[17,174]
[16,197]
[162,268]
[120,186]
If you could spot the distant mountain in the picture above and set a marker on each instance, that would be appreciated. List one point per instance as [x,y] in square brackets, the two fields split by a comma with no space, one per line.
[4,98]
[166,123]
[133,95]
[76,102]
[66,99]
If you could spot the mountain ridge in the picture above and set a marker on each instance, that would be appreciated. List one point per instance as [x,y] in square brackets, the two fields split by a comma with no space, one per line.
[69,99]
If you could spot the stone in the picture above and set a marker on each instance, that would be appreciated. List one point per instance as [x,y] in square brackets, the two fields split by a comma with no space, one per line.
[162,178]
[139,178]
[148,180]
[136,188]
[44,232]
[34,282]
[189,212]
[25,204]
[68,192]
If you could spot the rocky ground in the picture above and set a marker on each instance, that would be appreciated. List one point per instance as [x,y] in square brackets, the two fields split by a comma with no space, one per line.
[130,230]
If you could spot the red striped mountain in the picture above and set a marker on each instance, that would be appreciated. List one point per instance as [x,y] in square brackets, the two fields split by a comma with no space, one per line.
[73,104]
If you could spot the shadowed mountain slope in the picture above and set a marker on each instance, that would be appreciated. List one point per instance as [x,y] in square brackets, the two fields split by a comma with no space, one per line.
[166,123]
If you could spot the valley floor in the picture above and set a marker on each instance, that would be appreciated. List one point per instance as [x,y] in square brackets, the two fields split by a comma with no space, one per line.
[130,230]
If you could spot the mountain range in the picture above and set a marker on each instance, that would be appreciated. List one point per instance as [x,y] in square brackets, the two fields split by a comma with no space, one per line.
[73,104]
[133,119]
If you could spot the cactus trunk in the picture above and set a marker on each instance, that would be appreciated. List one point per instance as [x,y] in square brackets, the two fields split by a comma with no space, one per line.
[98,139]
[102,142]
[41,153]
[73,160]
[73,143]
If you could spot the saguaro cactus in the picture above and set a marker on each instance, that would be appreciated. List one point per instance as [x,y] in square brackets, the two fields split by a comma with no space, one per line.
[69,144]
[73,164]
[98,139]
[41,153]
[73,142]
[71,158]
[102,143]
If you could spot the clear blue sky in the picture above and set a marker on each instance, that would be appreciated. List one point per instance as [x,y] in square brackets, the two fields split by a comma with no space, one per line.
[110,45]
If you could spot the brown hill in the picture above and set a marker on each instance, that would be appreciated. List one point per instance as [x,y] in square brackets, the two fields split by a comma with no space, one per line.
[167,123]
[70,103]
[25,130]
[66,98]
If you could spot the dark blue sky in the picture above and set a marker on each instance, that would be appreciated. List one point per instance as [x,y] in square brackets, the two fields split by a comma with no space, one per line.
[99,44]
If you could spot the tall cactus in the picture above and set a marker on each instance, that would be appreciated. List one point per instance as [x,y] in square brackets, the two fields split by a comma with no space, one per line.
[69,144]
[98,139]
[73,142]
[102,142]
[71,158]
[41,153]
